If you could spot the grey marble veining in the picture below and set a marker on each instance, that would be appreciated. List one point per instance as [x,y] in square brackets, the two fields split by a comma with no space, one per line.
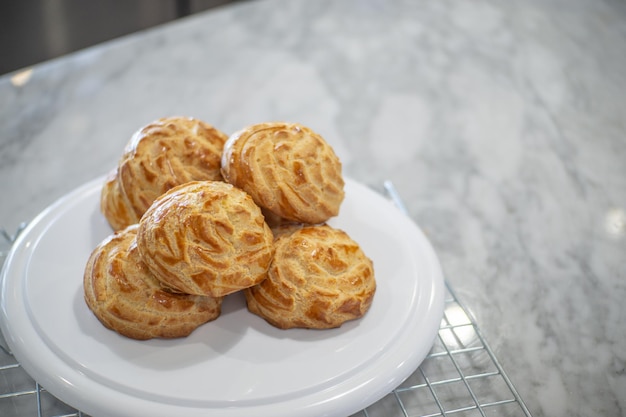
[502,124]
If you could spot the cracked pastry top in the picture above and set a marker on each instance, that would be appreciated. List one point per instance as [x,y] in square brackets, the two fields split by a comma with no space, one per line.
[287,168]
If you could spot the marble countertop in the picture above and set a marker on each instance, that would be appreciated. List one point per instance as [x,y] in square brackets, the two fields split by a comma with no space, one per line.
[502,125]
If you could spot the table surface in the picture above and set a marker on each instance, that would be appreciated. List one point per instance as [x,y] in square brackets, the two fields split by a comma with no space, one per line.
[501,124]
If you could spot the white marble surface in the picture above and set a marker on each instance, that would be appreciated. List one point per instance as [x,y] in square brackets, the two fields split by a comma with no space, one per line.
[502,124]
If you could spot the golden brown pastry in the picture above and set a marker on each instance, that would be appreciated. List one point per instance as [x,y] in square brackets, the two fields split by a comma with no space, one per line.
[161,155]
[286,229]
[114,204]
[275,221]
[286,168]
[319,278]
[125,296]
[206,238]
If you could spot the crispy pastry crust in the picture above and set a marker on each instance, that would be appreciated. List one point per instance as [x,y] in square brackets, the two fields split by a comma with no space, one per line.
[287,169]
[125,296]
[319,279]
[161,155]
[114,204]
[206,238]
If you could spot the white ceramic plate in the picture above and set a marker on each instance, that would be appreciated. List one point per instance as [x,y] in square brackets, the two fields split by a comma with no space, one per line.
[237,365]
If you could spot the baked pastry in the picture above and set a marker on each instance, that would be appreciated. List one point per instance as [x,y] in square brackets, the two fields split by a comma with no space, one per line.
[125,296]
[319,278]
[206,238]
[161,155]
[286,168]
[275,221]
[114,204]
[286,229]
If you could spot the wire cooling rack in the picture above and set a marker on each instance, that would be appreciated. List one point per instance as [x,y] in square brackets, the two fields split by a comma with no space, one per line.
[460,376]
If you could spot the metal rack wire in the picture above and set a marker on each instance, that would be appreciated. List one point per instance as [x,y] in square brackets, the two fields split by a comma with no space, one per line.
[460,376]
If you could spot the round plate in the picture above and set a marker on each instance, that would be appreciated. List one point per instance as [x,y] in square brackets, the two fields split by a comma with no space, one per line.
[237,365]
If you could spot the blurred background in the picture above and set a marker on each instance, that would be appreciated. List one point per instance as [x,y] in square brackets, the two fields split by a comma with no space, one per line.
[33,31]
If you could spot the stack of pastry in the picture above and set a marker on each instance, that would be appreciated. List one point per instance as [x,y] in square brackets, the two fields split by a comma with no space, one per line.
[319,277]
[198,217]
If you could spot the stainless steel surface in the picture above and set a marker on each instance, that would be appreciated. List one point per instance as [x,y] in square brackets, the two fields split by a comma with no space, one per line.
[34,31]
[461,375]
